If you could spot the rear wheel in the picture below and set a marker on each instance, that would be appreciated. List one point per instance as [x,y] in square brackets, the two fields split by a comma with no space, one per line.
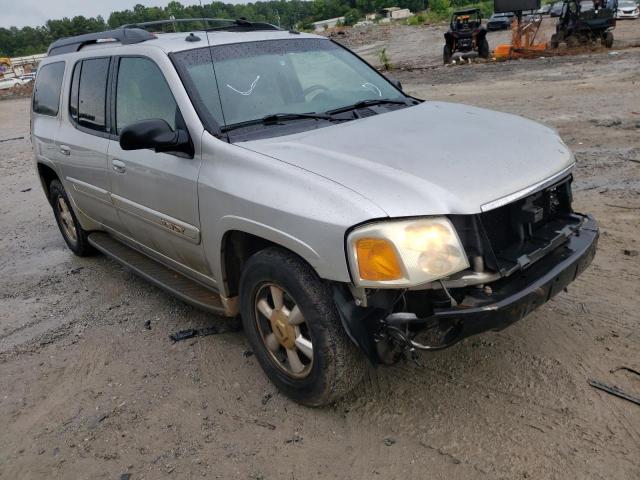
[73,234]
[572,41]
[607,39]
[294,328]
[446,54]
[483,49]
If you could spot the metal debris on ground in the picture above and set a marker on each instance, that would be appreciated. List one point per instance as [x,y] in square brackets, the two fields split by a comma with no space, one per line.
[10,139]
[388,441]
[203,332]
[295,439]
[623,367]
[613,390]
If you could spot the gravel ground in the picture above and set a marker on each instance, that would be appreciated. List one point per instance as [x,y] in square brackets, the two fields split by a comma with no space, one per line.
[87,390]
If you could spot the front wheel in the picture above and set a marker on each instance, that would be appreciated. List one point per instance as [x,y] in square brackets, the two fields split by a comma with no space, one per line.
[294,328]
[607,40]
[554,43]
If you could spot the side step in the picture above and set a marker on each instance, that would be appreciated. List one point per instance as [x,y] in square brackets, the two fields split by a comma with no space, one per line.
[175,283]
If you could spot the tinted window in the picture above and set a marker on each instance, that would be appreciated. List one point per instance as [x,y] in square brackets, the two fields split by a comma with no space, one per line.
[73,97]
[46,97]
[142,93]
[92,94]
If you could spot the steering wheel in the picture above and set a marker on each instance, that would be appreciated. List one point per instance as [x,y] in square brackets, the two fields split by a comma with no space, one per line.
[313,88]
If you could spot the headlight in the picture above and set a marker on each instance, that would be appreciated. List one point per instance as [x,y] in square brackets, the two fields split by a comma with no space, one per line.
[404,253]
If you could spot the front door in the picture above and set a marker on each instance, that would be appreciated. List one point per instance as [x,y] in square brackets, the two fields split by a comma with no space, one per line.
[155,194]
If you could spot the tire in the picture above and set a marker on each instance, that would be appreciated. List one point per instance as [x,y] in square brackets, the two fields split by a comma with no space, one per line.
[446,54]
[335,365]
[74,235]
[572,41]
[483,49]
[553,43]
[607,40]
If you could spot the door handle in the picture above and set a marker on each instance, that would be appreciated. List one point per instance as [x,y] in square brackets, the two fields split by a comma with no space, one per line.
[64,150]
[118,166]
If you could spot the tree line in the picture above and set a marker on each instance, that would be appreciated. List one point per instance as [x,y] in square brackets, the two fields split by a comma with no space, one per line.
[288,14]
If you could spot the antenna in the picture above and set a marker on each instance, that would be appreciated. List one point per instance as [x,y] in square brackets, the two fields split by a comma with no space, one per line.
[213,67]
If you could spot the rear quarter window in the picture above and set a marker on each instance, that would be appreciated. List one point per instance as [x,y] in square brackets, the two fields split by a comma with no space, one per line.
[46,95]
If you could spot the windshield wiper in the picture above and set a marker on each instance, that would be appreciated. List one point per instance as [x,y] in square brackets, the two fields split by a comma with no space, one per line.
[276,118]
[368,103]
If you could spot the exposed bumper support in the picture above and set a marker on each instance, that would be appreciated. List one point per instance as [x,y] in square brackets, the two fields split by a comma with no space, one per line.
[510,298]
[514,297]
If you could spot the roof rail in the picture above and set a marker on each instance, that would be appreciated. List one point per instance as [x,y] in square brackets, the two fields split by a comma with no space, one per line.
[124,36]
[224,24]
[173,21]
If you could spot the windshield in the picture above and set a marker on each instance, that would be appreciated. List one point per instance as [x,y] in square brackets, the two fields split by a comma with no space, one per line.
[627,4]
[248,81]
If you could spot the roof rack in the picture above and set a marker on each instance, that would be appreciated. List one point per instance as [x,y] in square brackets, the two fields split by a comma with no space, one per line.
[136,33]
[125,36]
[241,24]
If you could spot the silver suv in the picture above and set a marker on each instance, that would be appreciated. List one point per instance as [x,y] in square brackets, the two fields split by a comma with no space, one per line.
[275,175]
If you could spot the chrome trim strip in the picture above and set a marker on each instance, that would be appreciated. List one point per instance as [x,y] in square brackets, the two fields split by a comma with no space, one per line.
[165,222]
[527,191]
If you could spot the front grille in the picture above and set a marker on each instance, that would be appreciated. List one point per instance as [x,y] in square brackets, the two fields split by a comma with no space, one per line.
[518,233]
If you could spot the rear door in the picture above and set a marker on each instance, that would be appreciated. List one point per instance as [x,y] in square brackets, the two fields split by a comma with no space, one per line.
[155,194]
[83,140]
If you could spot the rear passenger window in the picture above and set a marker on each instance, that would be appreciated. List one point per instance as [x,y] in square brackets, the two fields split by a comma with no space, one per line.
[73,98]
[92,94]
[142,93]
[46,97]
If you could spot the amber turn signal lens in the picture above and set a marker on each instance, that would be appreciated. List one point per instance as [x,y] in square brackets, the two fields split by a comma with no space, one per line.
[377,260]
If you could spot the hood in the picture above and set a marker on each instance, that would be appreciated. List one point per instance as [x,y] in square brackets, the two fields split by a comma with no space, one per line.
[429,159]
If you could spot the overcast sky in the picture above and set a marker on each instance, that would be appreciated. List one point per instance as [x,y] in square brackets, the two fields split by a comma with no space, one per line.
[36,12]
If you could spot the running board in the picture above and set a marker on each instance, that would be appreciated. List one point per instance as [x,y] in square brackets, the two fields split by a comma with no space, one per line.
[173,282]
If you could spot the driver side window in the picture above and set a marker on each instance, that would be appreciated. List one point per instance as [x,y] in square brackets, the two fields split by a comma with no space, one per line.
[142,93]
[309,70]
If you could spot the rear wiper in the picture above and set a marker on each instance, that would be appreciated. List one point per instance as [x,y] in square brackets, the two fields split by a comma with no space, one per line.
[369,103]
[276,118]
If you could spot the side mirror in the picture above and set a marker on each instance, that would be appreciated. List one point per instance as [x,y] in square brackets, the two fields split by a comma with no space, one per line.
[396,83]
[156,134]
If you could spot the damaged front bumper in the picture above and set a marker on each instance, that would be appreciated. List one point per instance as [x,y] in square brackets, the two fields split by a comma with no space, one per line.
[514,297]
[495,307]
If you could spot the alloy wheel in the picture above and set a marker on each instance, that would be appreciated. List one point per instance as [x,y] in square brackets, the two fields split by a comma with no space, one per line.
[66,220]
[283,330]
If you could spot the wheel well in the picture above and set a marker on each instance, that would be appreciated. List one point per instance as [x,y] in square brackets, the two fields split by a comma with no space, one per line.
[237,248]
[47,175]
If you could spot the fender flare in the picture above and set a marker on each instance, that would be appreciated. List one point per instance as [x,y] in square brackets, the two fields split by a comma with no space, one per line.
[230,223]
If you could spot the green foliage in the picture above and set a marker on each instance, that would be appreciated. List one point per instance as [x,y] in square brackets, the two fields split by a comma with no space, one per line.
[440,7]
[418,19]
[441,10]
[384,59]
[352,17]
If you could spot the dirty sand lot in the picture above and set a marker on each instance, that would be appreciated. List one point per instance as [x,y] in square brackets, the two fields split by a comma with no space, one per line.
[86,391]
